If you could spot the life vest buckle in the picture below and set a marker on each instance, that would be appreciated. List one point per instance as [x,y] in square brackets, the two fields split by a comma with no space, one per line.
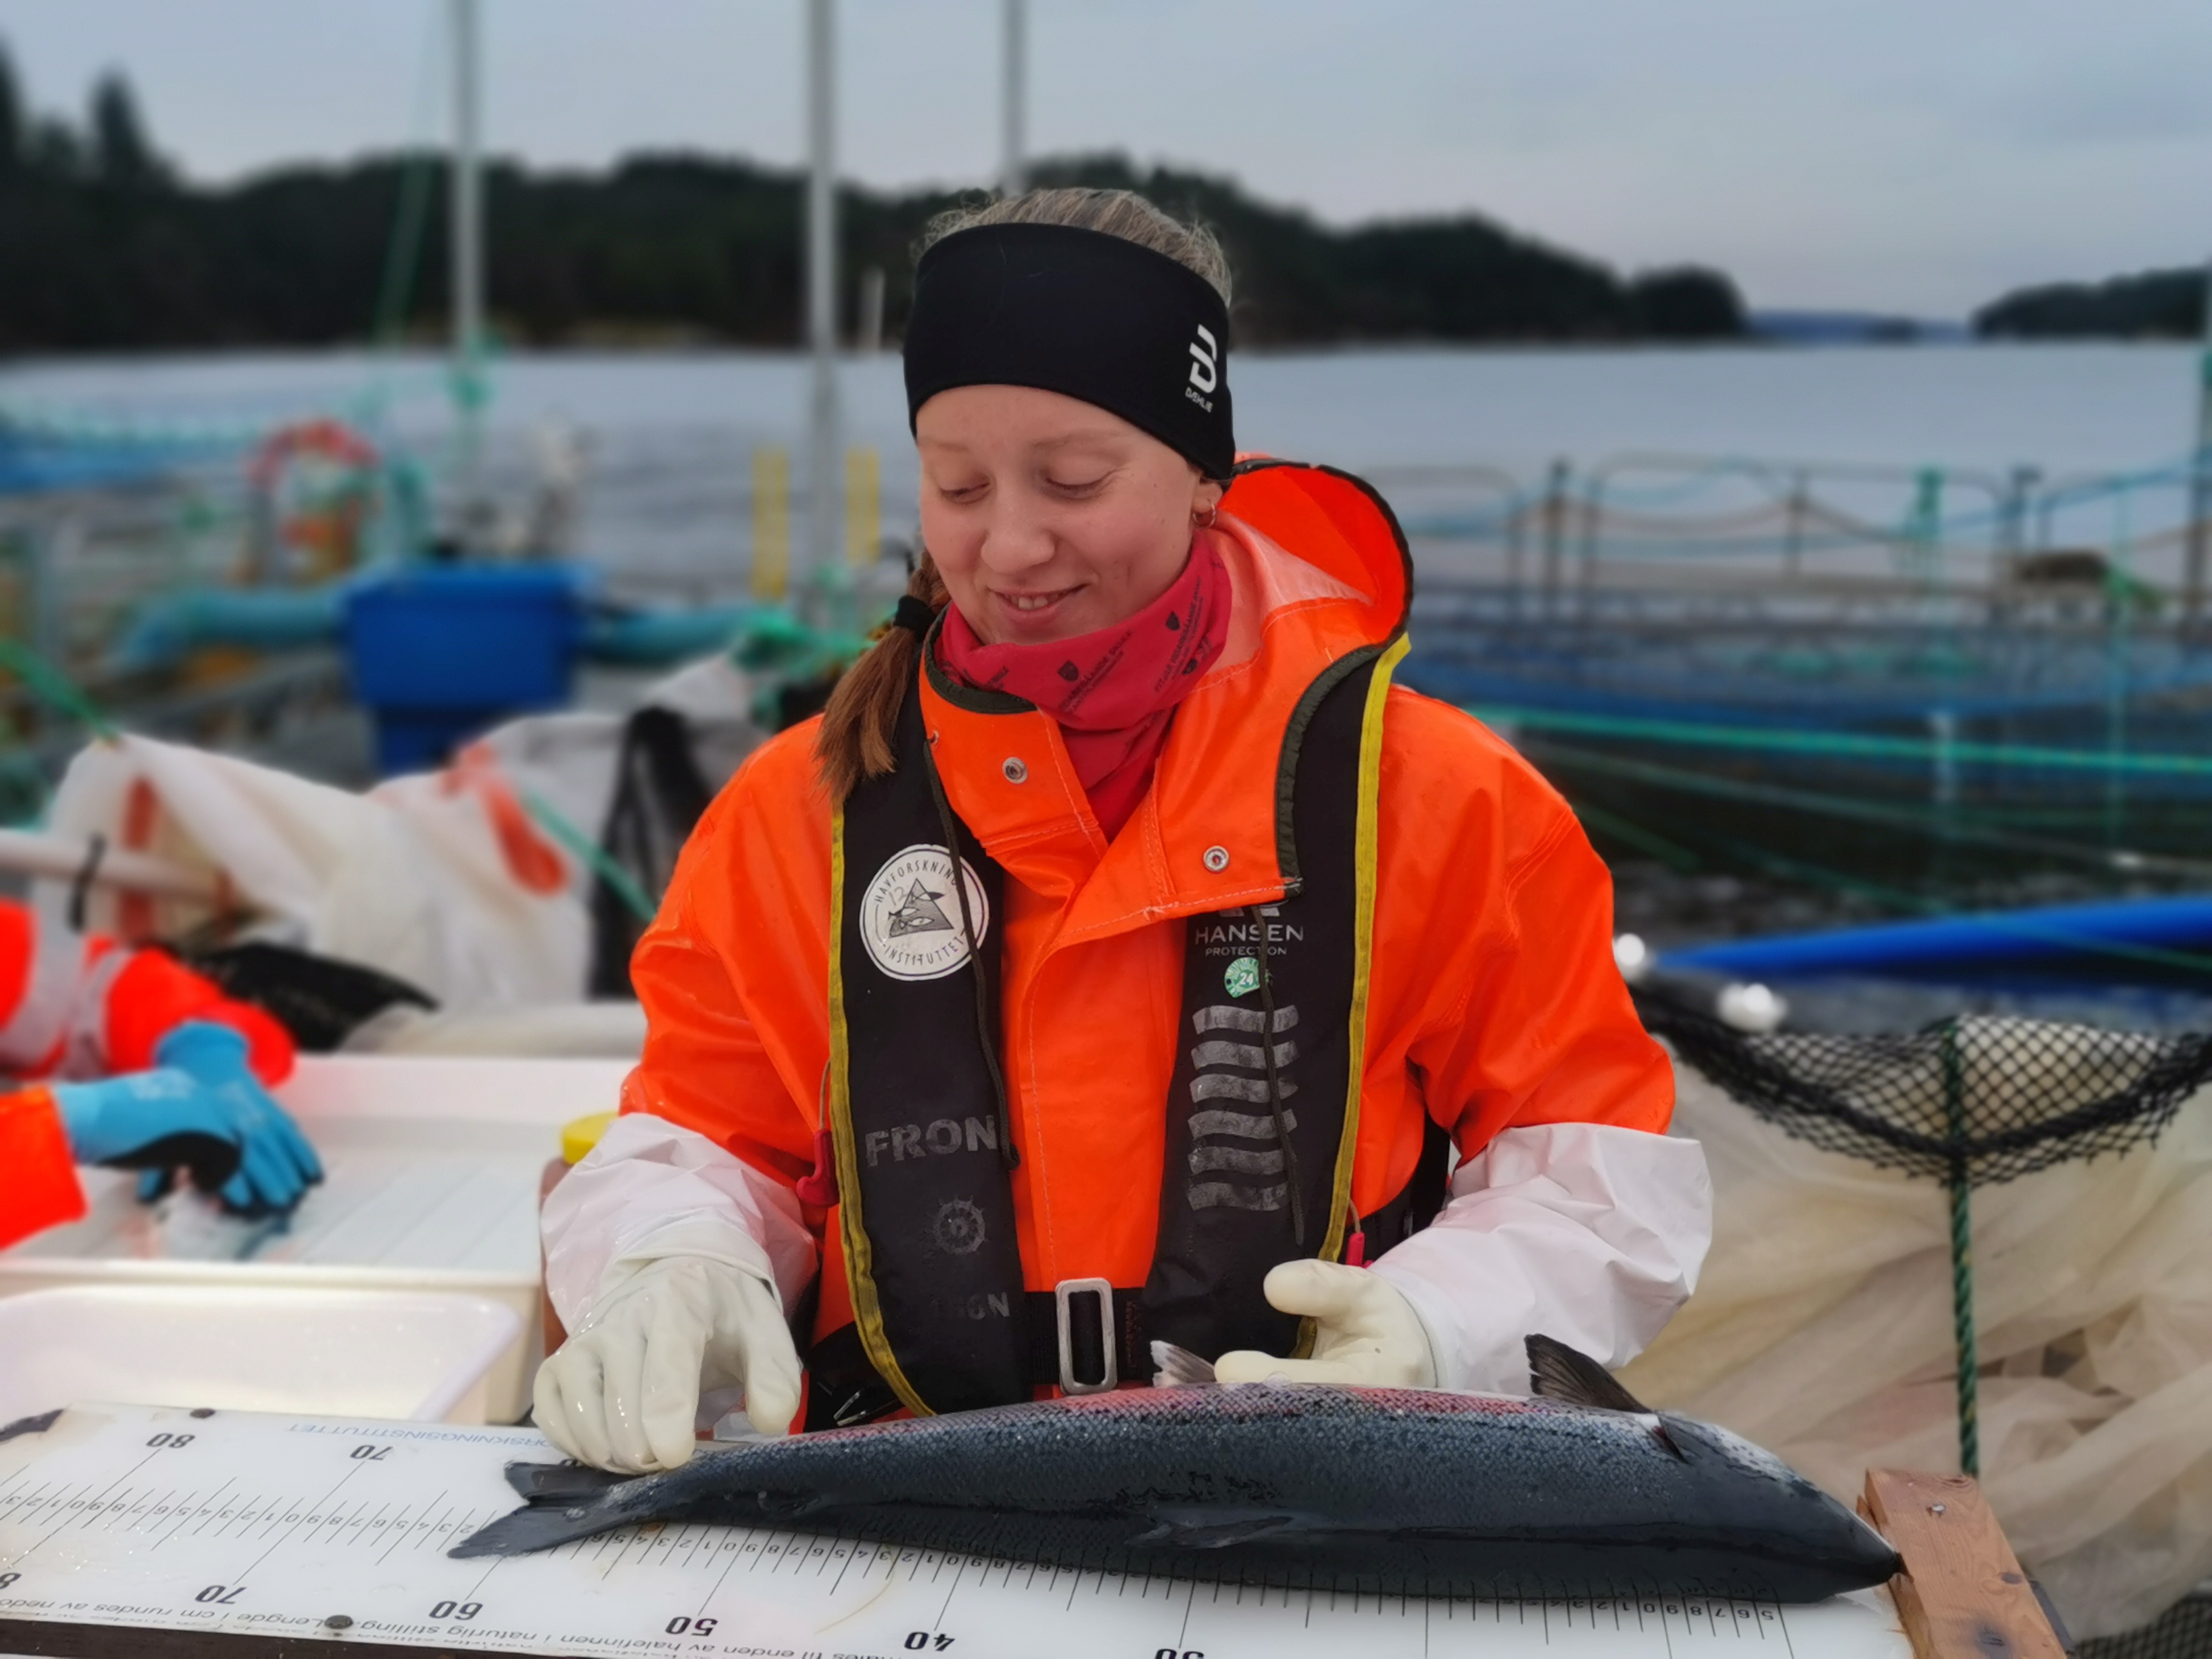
[1063,1295]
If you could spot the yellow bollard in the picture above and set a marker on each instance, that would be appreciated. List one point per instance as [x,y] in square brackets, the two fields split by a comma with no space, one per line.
[864,501]
[771,521]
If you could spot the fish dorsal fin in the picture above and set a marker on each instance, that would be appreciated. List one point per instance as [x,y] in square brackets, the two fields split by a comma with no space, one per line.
[1559,1372]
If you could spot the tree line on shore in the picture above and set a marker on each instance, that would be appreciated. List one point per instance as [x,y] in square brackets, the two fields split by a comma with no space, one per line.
[106,247]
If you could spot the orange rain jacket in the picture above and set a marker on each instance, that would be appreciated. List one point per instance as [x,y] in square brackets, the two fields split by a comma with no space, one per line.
[80,1005]
[1495,1000]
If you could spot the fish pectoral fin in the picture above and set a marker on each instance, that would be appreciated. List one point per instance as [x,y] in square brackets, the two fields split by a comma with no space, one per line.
[1179,1368]
[1199,1534]
[1559,1372]
[783,1505]
[558,1483]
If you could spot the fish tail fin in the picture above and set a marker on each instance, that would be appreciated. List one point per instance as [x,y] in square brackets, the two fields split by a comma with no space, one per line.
[563,1502]
[1179,1368]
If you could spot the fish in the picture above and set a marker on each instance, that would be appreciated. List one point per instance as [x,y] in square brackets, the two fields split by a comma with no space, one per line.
[1576,1490]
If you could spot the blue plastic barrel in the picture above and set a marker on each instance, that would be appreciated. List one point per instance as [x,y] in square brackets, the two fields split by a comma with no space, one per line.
[440,653]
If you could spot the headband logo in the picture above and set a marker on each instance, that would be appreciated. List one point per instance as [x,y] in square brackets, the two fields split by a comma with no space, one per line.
[1204,369]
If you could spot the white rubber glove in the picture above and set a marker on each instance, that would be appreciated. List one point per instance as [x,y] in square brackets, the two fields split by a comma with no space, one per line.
[1366,1333]
[622,1393]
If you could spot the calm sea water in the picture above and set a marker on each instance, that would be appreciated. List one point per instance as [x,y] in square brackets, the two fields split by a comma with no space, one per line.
[670,436]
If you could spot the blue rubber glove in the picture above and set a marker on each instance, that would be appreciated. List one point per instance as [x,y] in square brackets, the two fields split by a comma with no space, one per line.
[151,1120]
[278,1165]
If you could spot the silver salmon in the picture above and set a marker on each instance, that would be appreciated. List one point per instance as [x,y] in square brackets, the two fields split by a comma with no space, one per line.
[1578,1490]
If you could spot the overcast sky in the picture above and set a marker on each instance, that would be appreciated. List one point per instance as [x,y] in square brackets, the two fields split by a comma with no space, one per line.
[1915,155]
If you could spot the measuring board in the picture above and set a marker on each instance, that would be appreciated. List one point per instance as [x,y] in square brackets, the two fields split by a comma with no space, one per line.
[311,1527]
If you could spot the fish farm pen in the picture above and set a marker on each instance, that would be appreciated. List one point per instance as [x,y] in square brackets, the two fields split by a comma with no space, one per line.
[1876,680]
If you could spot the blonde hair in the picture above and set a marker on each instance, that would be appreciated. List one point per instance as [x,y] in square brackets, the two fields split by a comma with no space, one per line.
[1122,213]
[855,741]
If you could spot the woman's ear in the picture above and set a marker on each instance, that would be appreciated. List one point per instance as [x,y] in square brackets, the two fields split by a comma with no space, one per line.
[1205,497]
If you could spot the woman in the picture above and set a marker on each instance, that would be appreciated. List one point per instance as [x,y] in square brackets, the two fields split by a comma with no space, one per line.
[1239,944]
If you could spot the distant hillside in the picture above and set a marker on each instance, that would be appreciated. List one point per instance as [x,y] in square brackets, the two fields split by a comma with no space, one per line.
[103,247]
[2152,305]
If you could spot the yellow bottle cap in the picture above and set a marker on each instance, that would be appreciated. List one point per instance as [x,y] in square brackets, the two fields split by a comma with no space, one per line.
[580,1135]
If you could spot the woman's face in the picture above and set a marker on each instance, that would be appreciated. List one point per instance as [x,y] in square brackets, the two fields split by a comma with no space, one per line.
[1047,516]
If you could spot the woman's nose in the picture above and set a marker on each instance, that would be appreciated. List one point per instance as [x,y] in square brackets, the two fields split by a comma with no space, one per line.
[1017,539]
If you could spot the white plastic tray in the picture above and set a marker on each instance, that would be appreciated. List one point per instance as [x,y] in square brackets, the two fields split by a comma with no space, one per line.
[409,1355]
[434,1166]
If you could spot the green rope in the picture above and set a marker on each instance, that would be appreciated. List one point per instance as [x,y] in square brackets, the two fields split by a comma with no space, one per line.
[1962,1256]
[1945,827]
[52,686]
[1696,734]
[1670,854]
[589,852]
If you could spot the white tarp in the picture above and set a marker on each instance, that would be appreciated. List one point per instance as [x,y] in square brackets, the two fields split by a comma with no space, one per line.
[450,880]
[1822,1329]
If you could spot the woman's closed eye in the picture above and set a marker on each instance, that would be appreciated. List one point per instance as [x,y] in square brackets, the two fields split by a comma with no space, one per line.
[1076,490]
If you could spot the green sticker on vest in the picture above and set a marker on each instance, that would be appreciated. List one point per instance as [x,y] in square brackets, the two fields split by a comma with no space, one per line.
[1243,976]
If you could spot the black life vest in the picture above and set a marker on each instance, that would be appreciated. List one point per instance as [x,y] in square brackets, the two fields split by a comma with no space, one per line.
[1260,1147]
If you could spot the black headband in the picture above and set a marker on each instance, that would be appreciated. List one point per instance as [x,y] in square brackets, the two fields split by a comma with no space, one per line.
[1081,313]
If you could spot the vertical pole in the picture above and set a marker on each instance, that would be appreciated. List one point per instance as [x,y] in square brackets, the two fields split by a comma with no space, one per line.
[824,450]
[1962,1254]
[1516,534]
[869,327]
[864,501]
[1555,535]
[465,234]
[1793,542]
[2200,479]
[1013,110]
[771,523]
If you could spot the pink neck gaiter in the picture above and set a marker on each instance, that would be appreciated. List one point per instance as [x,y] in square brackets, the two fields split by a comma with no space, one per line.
[1113,691]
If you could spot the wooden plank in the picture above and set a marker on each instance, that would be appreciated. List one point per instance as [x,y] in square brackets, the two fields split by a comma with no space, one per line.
[1963,1594]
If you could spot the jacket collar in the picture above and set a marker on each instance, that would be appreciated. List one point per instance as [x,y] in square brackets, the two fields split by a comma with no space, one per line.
[1208,836]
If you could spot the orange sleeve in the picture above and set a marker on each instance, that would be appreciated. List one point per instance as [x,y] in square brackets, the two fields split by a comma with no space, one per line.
[1519,1015]
[155,993]
[38,1181]
[733,973]
[16,947]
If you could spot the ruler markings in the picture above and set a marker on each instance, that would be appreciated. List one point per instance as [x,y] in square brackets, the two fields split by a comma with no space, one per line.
[422,1525]
[286,1538]
[947,1605]
[35,1497]
[716,1588]
[128,1473]
[192,1504]
[116,1507]
[224,1516]
[476,1590]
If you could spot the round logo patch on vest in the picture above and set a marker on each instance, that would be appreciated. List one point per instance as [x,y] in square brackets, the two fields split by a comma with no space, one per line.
[910,915]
